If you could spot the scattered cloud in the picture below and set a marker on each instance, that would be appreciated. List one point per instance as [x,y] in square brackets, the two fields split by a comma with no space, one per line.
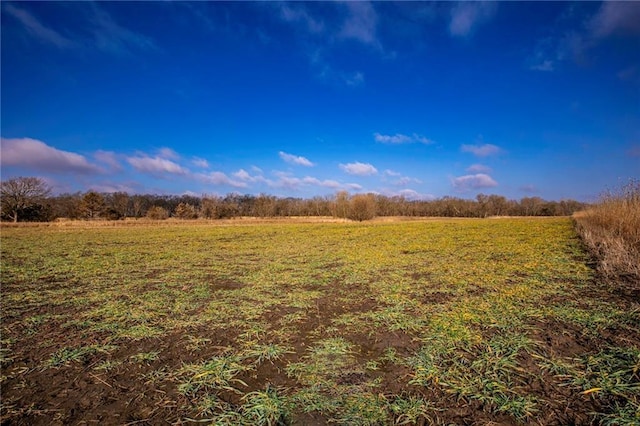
[613,18]
[156,165]
[399,138]
[297,14]
[359,169]
[38,30]
[389,172]
[220,178]
[110,37]
[295,159]
[467,15]
[481,150]
[476,181]
[545,65]
[531,189]
[109,158]
[479,168]
[360,24]
[327,183]
[616,17]
[200,162]
[35,154]
[406,180]
[353,187]
[168,153]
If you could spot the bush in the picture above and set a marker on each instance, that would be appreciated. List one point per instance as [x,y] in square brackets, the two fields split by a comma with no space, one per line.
[157,213]
[611,231]
[185,211]
[362,207]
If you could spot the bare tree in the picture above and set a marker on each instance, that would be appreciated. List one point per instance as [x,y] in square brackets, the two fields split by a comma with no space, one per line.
[21,193]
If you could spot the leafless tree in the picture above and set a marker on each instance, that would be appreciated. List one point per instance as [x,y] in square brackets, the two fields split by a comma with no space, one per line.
[21,193]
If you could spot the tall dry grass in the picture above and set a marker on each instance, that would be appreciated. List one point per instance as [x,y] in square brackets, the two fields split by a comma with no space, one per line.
[611,230]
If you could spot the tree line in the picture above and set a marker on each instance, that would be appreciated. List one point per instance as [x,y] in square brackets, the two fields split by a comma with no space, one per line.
[30,199]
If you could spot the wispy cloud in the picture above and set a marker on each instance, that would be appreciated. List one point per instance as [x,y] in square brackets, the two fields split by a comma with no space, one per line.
[295,159]
[109,36]
[360,24]
[470,182]
[39,30]
[297,14]
[156,166]
[220,179]
[481,150]
[479,168]
[200,162]
[37,155]
[613,18]
[109,158]
[616,17]
[399,138]
[529,188]
[359,169]
[467,15]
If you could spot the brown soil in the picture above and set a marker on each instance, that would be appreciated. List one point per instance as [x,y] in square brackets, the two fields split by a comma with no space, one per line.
[134,393]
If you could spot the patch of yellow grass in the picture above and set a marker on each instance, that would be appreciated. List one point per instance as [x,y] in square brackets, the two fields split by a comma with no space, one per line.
[611,230]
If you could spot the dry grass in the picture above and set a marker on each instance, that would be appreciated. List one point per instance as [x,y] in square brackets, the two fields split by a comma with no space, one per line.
[611,230]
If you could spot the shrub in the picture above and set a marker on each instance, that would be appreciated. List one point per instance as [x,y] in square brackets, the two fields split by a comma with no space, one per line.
[185,211]
[611,231]
[362,207]
[157,213]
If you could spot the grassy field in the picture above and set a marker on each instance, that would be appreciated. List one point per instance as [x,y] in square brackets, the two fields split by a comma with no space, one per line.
[414,322]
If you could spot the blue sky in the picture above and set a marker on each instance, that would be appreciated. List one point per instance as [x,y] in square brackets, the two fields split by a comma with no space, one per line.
[302,99]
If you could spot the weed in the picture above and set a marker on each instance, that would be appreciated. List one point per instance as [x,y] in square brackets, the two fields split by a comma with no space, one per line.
[144,357]
[269,352]
[265,408]
[411,409]
[219,373]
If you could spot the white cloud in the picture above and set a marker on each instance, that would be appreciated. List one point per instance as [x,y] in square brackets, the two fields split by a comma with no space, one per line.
[529,188]
[294,159]
[220,178]
[111,37]
[37,29]
[481,150]
[399,138]
[200,162]
[389,172]
[293,12]
[327,183]
[360,24]
[353,186]
[406,180]
[359,169]
[466,16]
[168,153]
[156,165]
[479,168]
[477,181]
[544,65]
[616,17]
[35,154]
[109,158]
[413,195]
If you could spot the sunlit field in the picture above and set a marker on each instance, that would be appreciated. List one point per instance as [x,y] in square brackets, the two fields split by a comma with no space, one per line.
[466,321]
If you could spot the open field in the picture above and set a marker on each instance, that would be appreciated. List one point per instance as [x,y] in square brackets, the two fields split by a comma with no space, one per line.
[411,322]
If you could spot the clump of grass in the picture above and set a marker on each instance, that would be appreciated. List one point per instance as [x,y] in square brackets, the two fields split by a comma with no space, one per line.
[611,231]
[217,374]
[144,357]
[265,408]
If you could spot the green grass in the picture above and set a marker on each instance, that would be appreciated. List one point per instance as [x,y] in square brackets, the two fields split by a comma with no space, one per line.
[375,323]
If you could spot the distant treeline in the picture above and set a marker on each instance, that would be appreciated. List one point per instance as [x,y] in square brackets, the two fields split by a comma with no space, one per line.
[119,205]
